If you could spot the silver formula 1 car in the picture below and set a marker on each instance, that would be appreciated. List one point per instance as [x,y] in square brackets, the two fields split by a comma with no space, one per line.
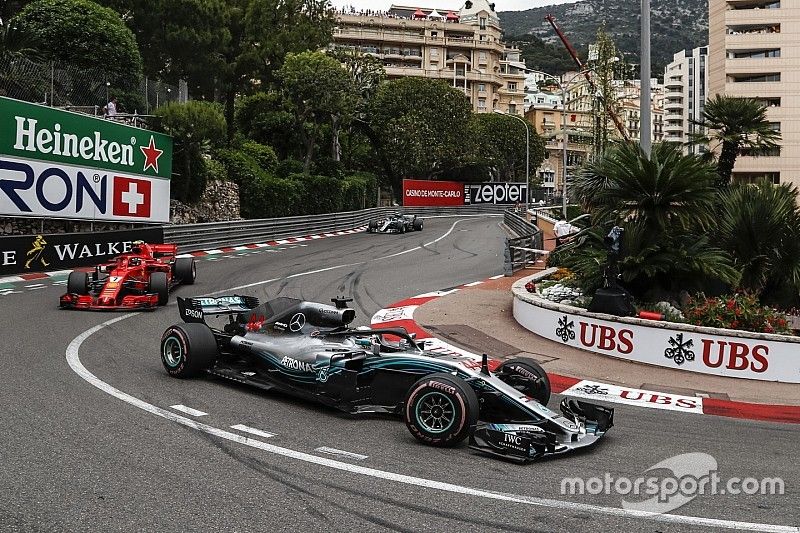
[395,223]
[307,349]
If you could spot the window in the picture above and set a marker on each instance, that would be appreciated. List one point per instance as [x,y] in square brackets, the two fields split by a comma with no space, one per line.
[512,109]
[755,78]
[434,34]
[482,56]
[483,23]
[434,52]
[481,87]
[755,54]
[482,103]
[512,86]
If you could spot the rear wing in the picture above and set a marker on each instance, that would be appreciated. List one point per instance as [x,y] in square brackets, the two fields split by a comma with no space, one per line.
[195,309]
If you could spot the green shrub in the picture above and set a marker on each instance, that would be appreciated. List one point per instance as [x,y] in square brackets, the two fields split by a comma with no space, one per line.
[359,191]
[739,311]
[287,167]
[195,127]
[261,194]
[319,194]
[215,171]
[263,154]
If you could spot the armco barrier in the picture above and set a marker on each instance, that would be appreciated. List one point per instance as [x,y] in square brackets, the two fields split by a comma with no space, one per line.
[519,250]
[193,237]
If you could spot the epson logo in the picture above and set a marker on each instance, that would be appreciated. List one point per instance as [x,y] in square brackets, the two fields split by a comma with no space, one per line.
[193,313]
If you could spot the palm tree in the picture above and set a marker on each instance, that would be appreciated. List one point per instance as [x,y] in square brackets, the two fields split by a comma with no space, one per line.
[664,190]
[666,205]
[759,225]
[732,124]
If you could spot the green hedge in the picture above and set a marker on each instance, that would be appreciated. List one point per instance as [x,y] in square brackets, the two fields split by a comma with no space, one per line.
[264,195]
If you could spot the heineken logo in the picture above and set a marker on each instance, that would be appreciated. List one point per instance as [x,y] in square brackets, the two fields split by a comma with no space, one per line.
[30,137]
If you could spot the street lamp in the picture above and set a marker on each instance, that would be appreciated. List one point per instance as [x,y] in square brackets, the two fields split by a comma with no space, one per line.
[527,157]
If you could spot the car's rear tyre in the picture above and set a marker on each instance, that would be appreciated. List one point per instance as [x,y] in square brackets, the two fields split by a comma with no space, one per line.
[78,283]
[417,224]
[441,410]
[188,349]
[372,226]
[158,284]
[402,228]
[186,270]
[527,376]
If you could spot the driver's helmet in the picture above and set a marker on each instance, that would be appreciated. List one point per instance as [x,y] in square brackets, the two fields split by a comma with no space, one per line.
[137,246]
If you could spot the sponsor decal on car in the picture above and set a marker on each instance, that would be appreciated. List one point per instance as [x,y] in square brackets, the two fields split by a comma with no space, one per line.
[294,364]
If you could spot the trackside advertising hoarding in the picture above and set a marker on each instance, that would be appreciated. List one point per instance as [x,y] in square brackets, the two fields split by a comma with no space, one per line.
[59,164]
[418,193]
[59,251]
[494,193]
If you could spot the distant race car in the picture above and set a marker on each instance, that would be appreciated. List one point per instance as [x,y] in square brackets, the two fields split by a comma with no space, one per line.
[139,279]
[307,349]
[395,223]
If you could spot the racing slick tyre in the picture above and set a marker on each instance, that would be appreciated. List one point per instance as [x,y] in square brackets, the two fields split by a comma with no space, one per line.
[417,224]
[441,410]
[78,283]
[158,284]
[402,228]
[527,376]
[188,349]
[185,270]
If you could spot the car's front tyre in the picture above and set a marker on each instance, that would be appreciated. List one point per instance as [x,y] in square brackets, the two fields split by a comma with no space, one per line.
[78,283]
[527,376]
[441,410]
[188,349]
[185,270]
[159,284]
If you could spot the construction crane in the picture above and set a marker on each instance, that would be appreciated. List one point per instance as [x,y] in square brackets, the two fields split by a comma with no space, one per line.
[582,68]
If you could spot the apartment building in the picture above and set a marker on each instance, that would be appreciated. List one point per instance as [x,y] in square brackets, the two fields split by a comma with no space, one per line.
[463,47]
[753,52]
[685,90]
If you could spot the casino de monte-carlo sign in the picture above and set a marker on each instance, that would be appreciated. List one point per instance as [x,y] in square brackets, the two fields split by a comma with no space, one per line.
[60,164]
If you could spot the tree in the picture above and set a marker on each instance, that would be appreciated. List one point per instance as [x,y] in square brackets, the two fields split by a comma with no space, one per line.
[265,118]
[422,126]
[759,225]
[180,40]
[499,145]
[732,124]
[83,34]
[605,68]
[320,92]
[195,127]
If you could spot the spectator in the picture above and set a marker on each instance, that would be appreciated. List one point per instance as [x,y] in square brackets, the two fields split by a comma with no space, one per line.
[110,110]
[563,231]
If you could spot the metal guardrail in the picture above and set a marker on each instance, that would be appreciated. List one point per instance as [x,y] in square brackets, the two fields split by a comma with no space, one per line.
[524,249]
[210,235]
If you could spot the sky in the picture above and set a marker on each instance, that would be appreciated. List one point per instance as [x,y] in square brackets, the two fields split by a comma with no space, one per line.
[500,5]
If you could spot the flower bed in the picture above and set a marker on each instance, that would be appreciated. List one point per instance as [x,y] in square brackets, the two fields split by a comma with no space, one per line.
[682,346]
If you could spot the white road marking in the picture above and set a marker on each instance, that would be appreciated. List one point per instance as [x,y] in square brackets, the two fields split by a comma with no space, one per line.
[341,453]
[254,431]
[188,410]
[472,284]
[34,286]
[498,276]
[73,359]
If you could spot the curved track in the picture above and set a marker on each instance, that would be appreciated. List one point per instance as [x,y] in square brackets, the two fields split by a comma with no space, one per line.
[77,458]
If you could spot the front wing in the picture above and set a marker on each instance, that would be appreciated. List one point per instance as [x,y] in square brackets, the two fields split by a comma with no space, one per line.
[91,303]
[524,442]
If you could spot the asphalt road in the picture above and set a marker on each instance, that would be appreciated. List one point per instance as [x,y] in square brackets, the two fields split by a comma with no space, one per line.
[77,458]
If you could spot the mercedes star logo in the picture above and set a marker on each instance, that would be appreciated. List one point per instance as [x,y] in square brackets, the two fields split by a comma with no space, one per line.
[297,322]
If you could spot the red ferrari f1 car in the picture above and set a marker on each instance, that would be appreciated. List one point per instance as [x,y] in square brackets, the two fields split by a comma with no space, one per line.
[139,279]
